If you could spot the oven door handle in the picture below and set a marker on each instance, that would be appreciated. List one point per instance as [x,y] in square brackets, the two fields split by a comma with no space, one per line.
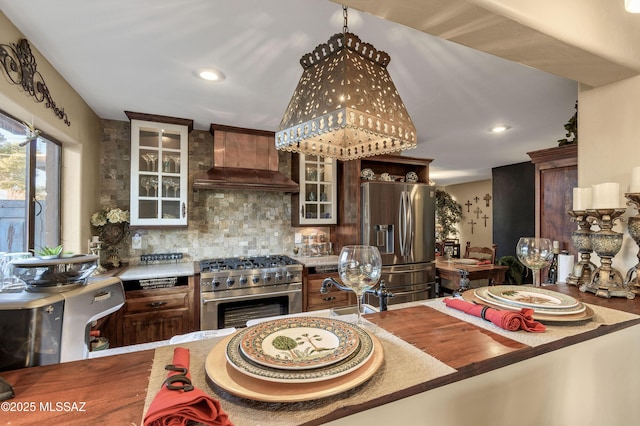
[225,299]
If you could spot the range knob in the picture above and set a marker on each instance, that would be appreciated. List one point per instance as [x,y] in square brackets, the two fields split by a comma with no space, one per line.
[289,275]
[230,281]
[215,283]
[278,276]
[255,279]
[266,278]
[243,279]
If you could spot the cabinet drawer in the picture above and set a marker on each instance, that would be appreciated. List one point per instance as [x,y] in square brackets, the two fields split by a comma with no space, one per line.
[334,298]
[329,300]
[160,301]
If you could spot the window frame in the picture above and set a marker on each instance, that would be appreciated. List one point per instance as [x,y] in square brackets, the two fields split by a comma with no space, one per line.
[31,190]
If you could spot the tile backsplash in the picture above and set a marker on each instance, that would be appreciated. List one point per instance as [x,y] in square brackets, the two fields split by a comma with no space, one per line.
[222,223]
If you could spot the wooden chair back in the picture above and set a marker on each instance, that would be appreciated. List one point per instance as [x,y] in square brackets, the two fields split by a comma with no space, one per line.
[481,253]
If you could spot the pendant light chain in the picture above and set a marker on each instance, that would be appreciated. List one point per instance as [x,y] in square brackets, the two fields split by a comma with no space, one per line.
[345,28]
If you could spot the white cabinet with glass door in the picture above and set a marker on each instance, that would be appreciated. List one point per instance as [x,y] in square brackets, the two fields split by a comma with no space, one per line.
[159,173]
[318,199]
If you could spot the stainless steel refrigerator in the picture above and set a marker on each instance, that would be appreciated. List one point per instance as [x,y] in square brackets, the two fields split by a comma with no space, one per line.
[399,219]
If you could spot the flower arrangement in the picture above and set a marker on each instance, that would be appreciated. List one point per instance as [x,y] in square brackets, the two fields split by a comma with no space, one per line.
[113,224]
[109,215]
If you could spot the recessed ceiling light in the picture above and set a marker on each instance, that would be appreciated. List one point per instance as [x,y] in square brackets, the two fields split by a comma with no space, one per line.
[210,74]
[501,128]
[632,6]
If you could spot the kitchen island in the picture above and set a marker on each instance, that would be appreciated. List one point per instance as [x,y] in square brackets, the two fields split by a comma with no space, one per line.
[582,374]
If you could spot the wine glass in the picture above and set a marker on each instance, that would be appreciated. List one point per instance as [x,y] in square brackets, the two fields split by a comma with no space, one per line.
[152,160]
[448,252]
[359,268]
[146,184]
[535,253]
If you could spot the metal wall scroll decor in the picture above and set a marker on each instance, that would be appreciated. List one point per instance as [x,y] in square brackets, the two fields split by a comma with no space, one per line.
[20,66]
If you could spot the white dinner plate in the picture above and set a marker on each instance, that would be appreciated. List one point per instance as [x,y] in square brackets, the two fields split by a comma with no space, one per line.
[532,297]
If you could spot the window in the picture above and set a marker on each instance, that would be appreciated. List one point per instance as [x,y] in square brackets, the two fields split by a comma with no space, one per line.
[29,188]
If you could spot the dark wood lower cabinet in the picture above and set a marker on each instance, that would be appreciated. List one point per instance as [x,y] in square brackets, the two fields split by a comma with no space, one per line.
[154,326]
[335,298]
[152,315]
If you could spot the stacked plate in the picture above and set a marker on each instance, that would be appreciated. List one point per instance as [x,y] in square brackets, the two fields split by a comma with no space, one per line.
[547,305]
[294,359]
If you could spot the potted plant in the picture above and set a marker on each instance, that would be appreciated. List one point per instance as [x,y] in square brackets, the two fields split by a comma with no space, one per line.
[448,214]
[49,252]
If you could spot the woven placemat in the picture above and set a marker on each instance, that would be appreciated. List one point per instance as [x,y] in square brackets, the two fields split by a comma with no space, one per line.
[602,316]
[403,366]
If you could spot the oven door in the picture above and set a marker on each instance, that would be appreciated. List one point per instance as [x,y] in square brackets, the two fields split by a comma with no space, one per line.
[233,308]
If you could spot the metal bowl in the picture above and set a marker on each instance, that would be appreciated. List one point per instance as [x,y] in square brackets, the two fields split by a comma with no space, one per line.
[59,273]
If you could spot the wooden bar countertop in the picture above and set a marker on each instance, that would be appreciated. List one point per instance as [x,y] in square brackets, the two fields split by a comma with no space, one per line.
[112,389]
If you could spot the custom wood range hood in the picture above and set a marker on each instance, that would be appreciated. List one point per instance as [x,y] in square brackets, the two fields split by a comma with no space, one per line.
[244,159]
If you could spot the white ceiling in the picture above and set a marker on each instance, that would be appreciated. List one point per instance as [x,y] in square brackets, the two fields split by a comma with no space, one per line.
[141,55]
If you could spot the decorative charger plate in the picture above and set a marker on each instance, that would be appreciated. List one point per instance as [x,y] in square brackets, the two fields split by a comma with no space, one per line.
[299,343]
[532,297]
[239,361]
[484,294]
[237,383]
[586,315]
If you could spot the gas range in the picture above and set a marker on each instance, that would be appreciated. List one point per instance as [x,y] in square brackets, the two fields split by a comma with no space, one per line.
[247,272]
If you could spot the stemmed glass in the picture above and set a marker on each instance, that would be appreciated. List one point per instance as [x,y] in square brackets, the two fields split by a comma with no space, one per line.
[176,162]
[535,253]
[152,159]
[146,161]
[448,251]
[146,184]
[154,185]
[359,268]
[167,183]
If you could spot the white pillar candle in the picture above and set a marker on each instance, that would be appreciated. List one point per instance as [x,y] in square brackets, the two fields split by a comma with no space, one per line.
[635,180]
[605,196]
[581,198]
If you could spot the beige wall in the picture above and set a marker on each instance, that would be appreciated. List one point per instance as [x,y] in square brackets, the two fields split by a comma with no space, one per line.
[80,141]
[482,235]
[609,146]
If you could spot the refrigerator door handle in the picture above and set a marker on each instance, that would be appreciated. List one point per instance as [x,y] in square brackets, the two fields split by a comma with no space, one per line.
[402,225]
[409,231]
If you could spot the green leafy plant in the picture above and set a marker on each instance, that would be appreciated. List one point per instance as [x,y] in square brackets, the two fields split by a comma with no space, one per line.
[515,273]
[50,251]
[448,214]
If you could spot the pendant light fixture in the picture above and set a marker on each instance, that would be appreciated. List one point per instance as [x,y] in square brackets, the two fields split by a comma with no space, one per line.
[346,105]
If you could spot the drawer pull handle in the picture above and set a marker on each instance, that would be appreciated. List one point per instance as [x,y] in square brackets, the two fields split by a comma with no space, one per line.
[156,304]
[329,299]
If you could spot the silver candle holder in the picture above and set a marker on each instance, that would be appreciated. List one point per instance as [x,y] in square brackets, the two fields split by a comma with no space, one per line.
[632,279]
[606,281]
[95,247]
[581,239]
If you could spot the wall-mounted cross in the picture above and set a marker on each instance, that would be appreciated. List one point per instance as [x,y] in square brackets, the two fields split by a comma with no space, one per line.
[487,197]
[468,204]
[476,198]
[477,211]
[485,217]
[471,222]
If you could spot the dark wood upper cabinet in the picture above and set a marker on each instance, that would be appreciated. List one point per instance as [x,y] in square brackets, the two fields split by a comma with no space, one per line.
[556,174]
[348,229]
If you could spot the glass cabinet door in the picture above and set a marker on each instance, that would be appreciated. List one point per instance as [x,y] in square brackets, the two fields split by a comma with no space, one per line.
[318,193]
[159,178]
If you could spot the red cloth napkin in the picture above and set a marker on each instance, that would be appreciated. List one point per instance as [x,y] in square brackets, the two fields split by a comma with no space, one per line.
[179,406]
[509,320]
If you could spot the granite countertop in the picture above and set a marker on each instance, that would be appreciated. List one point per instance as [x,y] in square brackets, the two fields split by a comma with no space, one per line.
[158,270]
[309,261]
